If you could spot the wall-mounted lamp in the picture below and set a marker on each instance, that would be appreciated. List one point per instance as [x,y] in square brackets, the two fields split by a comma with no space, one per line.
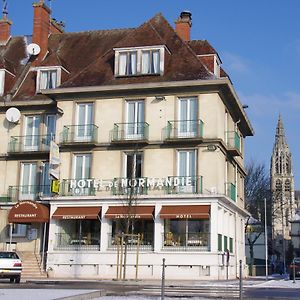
[160,98]
[211,147]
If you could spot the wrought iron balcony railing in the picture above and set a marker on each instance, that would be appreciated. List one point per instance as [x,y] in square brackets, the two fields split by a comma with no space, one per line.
[79,134]
[28,192]
[184,185]
[124,132]
[30,143]
[184,129]
[77,187]
[130,186]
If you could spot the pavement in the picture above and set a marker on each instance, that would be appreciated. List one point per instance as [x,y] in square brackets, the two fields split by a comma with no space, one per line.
[274,281]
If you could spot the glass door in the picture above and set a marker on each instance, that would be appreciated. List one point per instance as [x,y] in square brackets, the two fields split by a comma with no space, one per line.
[84,122]
[135,120]
[28,187]
[187,171]
[188,113]
[32,133]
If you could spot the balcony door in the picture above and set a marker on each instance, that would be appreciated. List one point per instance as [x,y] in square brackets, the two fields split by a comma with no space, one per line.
[28,187]
[84,122]
[82,170]
[32,133]
[135,120]
[188,114]
[187,170]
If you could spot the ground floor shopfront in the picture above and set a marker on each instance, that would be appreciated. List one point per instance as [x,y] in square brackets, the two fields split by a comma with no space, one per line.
[195,236]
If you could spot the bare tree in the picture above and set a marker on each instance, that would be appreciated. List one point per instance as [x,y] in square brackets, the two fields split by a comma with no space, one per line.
[257,188]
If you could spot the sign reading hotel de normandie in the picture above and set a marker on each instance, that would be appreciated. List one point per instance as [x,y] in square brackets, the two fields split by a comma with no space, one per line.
[76,185]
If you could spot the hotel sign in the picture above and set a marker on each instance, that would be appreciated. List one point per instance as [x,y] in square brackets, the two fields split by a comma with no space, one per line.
[77,185]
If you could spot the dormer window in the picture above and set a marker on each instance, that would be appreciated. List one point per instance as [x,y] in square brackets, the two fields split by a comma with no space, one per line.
[139,61]
[48,78]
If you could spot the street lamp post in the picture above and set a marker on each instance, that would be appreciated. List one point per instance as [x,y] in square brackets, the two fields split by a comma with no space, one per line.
[266,238]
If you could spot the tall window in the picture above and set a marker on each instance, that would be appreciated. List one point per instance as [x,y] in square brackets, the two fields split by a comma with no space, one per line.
[188,114]
[32,132]
[45,179]
[150,62]
[128,63]
[84,121]
[82,166]
[135,119]
[187,168]
[133,165]
[28,186]
[48,79]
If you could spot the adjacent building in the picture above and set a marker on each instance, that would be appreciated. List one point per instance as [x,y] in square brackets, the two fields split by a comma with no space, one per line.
[150,136]
[283,192]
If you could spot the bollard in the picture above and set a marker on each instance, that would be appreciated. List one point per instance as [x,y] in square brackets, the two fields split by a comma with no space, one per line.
[241,281]
[163,280]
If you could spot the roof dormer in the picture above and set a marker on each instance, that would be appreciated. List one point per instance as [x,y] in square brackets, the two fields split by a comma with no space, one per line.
[137,61]
[48,78]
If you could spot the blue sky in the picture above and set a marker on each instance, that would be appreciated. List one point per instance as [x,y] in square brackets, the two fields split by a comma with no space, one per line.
[258,42]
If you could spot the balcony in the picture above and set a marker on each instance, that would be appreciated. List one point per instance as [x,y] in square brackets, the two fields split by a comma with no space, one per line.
[198,241]
[77,187]
[233,143]
[27,192]
[130,133]
[130,186]
[187,129]
[184,185]
[29,143]
[79,134]
[75,242]
[230,191]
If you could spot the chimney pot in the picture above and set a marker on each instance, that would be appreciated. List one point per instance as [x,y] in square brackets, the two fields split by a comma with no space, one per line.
[183,25]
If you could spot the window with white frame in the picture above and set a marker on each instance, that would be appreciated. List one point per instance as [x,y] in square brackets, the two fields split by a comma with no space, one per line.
[135,117]
[82,166]
[84,121]
[28,187]
[133,165]
[48,78]
[139,61]
[19,230]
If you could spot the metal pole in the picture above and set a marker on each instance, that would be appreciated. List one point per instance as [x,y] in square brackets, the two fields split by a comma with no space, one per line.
[137,256]
[266,239]
[43,249]
[241,281]
[117,239]
[294,271]
[163,280]
[10,235]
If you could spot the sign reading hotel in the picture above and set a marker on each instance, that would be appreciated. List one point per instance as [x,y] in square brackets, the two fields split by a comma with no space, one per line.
[77,185]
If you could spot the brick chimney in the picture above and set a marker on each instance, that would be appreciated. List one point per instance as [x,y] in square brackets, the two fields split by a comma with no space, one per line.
[41,27]
[4,28]
[183,25]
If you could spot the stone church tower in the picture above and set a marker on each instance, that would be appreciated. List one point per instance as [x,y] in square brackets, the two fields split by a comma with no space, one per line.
[282,189]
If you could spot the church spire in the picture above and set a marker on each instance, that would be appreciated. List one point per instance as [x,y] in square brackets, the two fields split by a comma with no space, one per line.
[280,139]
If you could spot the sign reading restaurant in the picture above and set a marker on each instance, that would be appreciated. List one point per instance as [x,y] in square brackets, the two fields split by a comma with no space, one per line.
[149,183]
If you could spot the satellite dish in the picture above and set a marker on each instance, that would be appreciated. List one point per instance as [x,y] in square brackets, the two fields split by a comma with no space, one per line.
[33,49]
[13,115]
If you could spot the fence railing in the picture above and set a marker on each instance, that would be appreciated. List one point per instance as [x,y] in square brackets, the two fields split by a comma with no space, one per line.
[233,140]
[146,241]
[29,143]
[184,129]
[130,186]
[189,241]
[79,134]
[71,242]
[28,192]
[130,132]
[185,185]
[72,187]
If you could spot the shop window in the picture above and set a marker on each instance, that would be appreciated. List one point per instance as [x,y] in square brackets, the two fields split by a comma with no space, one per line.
[73,234]
[187,233]
[145,229]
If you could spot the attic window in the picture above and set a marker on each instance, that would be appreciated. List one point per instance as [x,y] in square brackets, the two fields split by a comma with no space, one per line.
[139,61]
[48,78]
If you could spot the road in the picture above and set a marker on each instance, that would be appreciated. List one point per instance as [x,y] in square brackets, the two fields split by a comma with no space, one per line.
[128,289]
